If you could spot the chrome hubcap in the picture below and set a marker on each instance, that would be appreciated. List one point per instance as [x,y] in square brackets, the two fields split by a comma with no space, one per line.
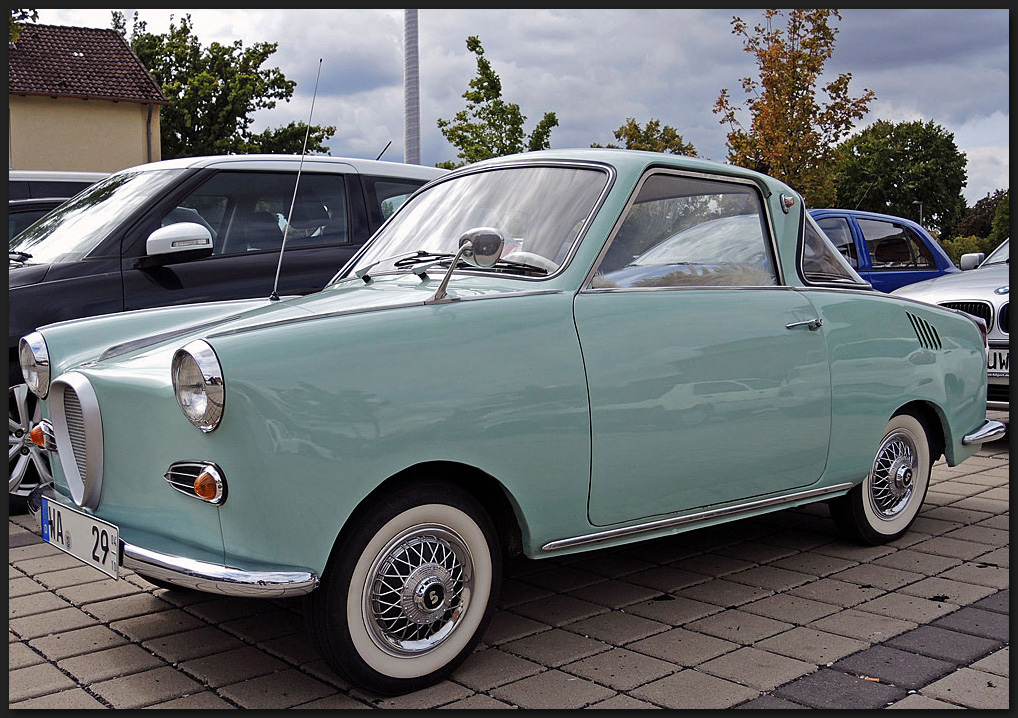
[892,480]
[419,589]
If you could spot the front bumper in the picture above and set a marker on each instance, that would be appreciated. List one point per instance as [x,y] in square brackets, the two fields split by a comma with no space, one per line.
[199,575]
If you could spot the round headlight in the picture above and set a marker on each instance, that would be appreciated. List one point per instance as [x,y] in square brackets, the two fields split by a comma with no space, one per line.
[34,358]
[198,384]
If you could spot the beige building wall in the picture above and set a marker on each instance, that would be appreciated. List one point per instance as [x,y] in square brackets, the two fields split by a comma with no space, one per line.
[47,133]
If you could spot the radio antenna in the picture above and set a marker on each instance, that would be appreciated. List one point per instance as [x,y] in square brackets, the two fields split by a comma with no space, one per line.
[286,230]
[383,150]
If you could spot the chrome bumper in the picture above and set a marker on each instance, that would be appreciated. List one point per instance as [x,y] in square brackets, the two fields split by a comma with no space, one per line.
[991,430]
[200,575]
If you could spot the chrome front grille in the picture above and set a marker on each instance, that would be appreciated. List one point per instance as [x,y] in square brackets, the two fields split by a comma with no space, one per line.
[75,420]
[982,310]
[77,427]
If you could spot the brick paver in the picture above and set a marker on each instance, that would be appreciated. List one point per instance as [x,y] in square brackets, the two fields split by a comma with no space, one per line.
[775,612]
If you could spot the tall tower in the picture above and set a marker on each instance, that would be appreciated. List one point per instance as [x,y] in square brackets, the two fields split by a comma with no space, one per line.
[411,91]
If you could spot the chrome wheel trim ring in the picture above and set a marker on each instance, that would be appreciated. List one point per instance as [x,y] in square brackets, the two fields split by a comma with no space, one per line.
[418,590]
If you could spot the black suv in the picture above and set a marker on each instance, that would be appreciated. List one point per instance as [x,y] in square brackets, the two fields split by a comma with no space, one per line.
[182,231]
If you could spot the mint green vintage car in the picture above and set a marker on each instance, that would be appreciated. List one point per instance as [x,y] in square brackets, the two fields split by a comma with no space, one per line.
[504,368]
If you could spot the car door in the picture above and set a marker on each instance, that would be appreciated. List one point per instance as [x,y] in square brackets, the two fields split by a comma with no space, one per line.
[246,213]
[708,381]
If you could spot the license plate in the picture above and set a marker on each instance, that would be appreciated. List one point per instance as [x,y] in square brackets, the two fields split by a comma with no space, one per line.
[85,537]
[996,362]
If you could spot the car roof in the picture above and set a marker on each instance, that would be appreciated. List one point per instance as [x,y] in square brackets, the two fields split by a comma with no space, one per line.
[292,162]
[860,213]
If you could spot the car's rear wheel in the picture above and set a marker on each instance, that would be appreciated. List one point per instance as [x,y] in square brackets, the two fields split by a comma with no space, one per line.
[28,464]
[887,502]
[409,590]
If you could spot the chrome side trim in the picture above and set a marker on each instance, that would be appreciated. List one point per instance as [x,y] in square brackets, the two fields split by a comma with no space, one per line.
[213,578]
[78,429]
[826,492]
[991,430]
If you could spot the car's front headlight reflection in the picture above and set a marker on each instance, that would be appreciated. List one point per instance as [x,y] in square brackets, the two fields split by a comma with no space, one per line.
[198,384]
[34,359]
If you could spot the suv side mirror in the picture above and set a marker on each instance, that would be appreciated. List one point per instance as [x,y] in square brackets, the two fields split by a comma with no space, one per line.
[971,260]
[177,242]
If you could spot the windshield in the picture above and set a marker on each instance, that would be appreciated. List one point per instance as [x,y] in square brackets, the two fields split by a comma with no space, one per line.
[998,256]
[76,227]
[539,211]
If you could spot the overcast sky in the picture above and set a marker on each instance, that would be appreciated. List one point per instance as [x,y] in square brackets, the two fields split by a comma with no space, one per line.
[596,68]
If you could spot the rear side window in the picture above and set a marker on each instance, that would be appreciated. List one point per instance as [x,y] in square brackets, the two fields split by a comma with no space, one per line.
[839,232]
[386,194]
[893,246]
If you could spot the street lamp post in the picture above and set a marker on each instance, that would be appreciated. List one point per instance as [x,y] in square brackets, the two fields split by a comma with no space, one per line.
[920,203]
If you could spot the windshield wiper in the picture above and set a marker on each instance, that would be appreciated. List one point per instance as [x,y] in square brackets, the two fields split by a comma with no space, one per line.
[509,266]
[16,256]
[420,257]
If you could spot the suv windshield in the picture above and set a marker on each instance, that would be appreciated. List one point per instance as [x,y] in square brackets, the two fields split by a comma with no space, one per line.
[539,211]
[75,228]
[998,256]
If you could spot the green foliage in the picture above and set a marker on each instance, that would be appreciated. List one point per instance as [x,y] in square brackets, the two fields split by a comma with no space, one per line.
[890,167]
[490,126]
[653,137]
[213,92]
[963,245]
[977,220]
[1001,220]
[18,18]
[792,135]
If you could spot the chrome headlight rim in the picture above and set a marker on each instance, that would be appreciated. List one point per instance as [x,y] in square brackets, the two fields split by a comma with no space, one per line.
[33,355]
[198,384]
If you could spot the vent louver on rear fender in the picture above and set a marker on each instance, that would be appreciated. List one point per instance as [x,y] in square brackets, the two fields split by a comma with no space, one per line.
[926,332]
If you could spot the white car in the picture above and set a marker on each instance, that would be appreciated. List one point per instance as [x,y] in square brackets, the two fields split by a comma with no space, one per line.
[981,292]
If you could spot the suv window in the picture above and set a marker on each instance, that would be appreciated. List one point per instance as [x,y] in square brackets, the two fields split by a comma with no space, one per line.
[248,211]
[894,246]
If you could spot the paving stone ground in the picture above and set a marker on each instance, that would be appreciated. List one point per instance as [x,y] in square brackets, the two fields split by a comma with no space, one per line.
[774,612]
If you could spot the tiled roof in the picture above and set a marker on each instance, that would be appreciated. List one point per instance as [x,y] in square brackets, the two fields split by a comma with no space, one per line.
[86,62]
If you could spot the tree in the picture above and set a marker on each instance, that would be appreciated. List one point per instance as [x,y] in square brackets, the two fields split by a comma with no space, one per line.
[489,126]
[1001,221]
[214,91]
[892,167]
[977,220]
[792,137]
[652,137]
[18,18]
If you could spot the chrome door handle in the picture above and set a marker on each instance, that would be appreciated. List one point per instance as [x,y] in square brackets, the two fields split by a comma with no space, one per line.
[811,324]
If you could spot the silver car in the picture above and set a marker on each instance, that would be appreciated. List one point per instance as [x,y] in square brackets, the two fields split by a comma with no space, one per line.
[982,292]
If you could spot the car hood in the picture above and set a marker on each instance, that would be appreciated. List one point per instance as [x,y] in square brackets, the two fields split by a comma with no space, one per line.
[22,274]
[117,336]
[971,284]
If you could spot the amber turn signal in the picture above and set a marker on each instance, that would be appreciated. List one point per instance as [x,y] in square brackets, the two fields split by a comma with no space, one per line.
[37,437]
[206,486]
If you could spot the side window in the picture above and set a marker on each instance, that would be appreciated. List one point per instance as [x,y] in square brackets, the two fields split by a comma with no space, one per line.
[822,262]
[840,233]
[248,211]
[386,194]
[684,231]
[893,246]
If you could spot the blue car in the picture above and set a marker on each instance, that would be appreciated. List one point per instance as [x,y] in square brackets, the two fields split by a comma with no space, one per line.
[888,252]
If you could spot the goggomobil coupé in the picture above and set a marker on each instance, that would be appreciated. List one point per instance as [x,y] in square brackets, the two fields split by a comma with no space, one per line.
[545,353]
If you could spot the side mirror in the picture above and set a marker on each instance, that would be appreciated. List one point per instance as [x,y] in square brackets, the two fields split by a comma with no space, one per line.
[971,260]
[179,237]
[486,245]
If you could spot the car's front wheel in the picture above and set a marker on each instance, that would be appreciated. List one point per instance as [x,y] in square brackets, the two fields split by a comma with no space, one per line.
[887,502]
[408,590]
[27,463]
